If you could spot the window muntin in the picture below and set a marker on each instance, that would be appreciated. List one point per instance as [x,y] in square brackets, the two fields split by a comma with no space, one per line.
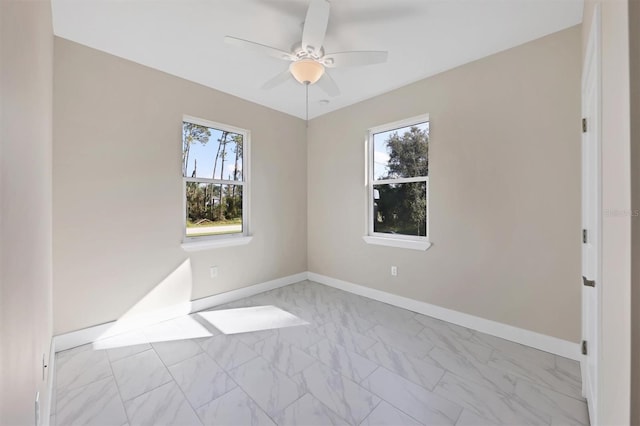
[399,179]
[214,170]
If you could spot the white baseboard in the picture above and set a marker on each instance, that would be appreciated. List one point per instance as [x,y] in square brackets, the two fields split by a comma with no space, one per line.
[230,296]
[525,337]
[81,337]
[91,334]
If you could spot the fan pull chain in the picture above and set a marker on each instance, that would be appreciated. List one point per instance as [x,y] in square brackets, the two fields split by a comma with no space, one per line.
[307,100]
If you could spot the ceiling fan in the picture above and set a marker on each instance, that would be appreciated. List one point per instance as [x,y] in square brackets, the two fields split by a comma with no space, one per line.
[308,58]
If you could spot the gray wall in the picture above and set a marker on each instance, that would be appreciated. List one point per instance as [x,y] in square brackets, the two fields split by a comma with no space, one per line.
[117,188]
[26,46]
[504,189]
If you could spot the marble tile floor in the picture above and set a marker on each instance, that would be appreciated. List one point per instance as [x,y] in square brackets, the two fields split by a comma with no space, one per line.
[357,362]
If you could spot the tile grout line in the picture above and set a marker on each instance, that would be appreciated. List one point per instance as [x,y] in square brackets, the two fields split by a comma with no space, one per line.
[293,402]
[307,391]
[173,379]
[501,395]
[370,374]
[249,396]
[459,414]
[393,405]
[372,410]
[152,389]
[471,379]
[126,414]
[220,396]
[235,366]
[333,369]
[535,383]
[523,379]
[77,388]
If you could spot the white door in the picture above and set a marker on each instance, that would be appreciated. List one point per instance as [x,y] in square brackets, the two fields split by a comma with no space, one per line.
[591,217]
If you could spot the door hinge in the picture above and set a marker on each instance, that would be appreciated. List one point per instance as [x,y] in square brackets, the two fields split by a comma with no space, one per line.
[584,347]
[584,125]
[588,283]
[584,236]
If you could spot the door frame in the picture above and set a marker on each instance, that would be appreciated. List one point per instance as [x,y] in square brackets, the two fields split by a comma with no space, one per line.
[592,75]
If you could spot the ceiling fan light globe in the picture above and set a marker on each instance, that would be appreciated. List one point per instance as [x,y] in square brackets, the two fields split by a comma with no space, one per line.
[307,71]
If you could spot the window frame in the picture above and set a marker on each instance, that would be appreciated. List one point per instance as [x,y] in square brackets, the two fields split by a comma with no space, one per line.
[220,240]
[381,238]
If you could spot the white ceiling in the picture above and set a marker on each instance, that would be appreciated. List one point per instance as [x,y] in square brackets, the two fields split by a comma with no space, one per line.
[423,37]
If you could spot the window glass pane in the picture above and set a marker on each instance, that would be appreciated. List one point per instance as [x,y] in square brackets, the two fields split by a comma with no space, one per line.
[211,153]
[401,152]
[400,208]
[213,209]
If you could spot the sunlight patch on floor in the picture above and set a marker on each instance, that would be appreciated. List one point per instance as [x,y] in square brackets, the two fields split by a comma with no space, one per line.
[243,320]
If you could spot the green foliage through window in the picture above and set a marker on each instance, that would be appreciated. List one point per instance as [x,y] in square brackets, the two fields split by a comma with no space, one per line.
[212,165]
[400,207]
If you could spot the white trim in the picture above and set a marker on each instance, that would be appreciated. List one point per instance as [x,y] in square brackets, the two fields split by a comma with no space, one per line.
[213,125]
[395,125]
[81,337]
[90,334]
[400,180]
[592,72]
[396,242]
[214,243]
[213,181]
[45,417]
[543,342]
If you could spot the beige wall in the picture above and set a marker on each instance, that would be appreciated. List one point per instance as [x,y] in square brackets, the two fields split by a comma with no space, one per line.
[616,229]
[26,55]
[634,78]
[504,197]
[117,188]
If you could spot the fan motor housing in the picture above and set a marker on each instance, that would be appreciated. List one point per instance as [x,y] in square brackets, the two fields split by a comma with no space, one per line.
[302,53]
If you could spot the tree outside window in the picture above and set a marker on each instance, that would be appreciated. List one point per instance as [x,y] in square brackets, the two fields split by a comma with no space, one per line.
[214,178]
[399,179]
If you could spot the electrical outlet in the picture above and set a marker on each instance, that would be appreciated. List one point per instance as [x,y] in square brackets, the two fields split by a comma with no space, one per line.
[44,367]
[394,271]
[213,271]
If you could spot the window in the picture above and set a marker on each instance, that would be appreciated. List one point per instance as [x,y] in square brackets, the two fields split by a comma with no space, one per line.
[398,183]
[215,174]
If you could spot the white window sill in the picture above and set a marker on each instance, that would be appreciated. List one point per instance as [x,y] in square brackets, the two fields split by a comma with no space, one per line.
[396,242]
[215,243]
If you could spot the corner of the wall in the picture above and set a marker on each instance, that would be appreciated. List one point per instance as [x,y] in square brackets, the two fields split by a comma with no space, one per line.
[529,338]
[91,334]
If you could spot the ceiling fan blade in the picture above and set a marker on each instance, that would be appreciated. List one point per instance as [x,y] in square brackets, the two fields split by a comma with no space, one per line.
[277,80]
[354,59]
[260,48]
[327,84]
[315,25]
